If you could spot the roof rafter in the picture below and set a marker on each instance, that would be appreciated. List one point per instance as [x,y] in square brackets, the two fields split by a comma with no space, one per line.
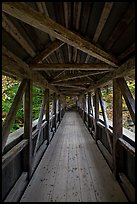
[53,46]
[13,31]
[84,74]
[42,22]
[127,68]
[104,16]
[16,67]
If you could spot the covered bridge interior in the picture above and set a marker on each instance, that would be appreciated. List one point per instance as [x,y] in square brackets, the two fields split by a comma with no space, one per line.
[69,49]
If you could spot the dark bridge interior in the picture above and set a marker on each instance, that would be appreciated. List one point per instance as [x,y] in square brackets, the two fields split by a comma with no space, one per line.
[69,49]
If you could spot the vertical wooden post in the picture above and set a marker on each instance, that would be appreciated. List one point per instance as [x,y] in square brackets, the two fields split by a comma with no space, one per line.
[54,109]
[93,131]
[96,112]
[27,152]
[59,108]
[83,107]
[89,106]
[117,127]
[47,114]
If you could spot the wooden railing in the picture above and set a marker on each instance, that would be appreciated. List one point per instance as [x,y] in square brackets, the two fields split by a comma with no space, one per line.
[127,149]
[14,179]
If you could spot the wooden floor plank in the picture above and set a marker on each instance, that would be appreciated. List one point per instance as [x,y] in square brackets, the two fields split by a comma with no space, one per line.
[73,169]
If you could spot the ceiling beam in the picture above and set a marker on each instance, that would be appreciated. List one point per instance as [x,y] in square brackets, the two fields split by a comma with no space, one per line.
[84,74]
[69,86]
[56,67]
[42,22]
[103,18]
[53,46]
[127,68]
[13,31]
[14,66]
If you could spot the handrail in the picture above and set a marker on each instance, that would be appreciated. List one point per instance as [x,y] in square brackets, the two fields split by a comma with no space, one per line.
[126,142]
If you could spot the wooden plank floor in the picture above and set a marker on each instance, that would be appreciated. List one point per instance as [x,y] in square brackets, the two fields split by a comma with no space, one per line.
[73,169]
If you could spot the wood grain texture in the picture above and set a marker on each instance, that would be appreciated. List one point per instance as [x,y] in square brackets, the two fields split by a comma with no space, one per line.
[73,169]
[44,23]
[12,112]
[126,69]
[117,127]
[13,31]
[52,47]
[130,102]
[71,66]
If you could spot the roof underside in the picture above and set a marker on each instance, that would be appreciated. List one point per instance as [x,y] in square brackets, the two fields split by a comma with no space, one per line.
[109,26]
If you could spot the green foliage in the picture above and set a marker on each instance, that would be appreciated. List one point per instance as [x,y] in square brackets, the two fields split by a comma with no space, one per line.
[10,87]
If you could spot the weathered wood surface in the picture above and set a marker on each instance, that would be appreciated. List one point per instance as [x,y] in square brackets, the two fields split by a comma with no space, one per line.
[106,154]
[127,146]
[12,30]
[128,187]
[27,153]
[73,169]
[126,69]
[42,109]
[52,47]
[15,67]
[117,127]
[103,18]
[71,66]
[42,22]
[130,101]
[12,112]
[96,105]
[11,154]
[79,75]
[17,190]
[106,121]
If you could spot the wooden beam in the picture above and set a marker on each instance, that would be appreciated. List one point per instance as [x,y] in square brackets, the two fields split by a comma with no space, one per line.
[13,31]
[54,109]
[121,26]
[96,112]
[47,114]
[42,109]
[59,108]
[127,146]
[67,15]
[117,127]
[76,12]
[106,122]
[89,107]
[27,153]
[127,186]
[130,102]
[126,69]
[17,190]
[12,113]
[11,154]
[70,77]
[93,113]
[42,22]
[105,153]
[53,46]
[70,86]
[103,18]
[14,66]
[56,67]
